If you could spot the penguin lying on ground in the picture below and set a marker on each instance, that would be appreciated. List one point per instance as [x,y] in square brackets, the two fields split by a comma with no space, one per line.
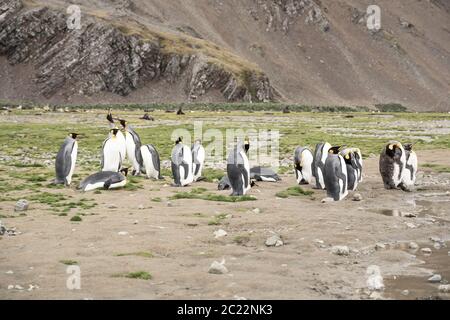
[133,143]
[151,161]
[198,158]
[320,156]
[354,167]
[410,170]
[303,161]
[182,164]
[392,164]
[264,174]
[335,176]
[111,156]
[238,169]
[224,183]
[105,180]
[66,160]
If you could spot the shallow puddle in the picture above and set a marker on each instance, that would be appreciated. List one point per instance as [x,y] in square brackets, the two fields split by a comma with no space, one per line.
[419,287]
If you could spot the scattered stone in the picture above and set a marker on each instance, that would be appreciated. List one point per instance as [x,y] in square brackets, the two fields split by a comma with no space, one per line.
[436,278]
[274,241]
[9,272]
[218,268]
[10,287]
[409,215]
[136,222]
[426,250]
[21,205]
[111,206]
[18,287]
[444,288]
[220,233]
[123,233]
[256,210]
[413,245]
[380,246]
[375,279]
[169,204]
[436,239]
[375,295]
[437,246]
[340,250]
[405,292]
[319,241]
[357,197]
[141,207]
[411,225]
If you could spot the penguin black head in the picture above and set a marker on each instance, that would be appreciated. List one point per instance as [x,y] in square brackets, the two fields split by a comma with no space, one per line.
[179,140]
[394,148]
[246,146]
[123,123]
[124,171]
[73,135]
[114,131]
[334,150]
[109,117]
[408,146]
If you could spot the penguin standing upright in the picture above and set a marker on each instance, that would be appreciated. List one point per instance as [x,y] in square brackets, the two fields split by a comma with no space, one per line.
[111,156]
[152,162]
[392,164]
[120,137]
[359,162]
[198,158]
[335,176]
[182,164]
[133,143]
[303,161]
[350,156]
[66,159]
[238,169]
[105,179]
[320,156]
[410,170]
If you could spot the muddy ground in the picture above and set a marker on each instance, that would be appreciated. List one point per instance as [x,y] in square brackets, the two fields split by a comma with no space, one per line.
[173,240]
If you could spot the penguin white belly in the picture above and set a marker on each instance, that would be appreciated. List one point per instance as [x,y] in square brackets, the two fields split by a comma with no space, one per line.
[147,158]
[111,155]
[187,158]
[73,157]
[343,184]
[321,180]
[118,185]
[307,160]
[198,167]
[122,146]
[268,179]
[131,150]
[410,170]
[247,168]
[396,174]
[94,186]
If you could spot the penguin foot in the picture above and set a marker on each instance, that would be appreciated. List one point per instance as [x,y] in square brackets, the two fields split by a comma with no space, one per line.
[327,200]
[175,185]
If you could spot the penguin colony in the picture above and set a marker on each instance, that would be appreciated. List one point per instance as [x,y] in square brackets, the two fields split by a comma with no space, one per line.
[335,169]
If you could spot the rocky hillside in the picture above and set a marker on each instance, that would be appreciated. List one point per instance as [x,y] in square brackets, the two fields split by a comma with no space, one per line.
[316,52]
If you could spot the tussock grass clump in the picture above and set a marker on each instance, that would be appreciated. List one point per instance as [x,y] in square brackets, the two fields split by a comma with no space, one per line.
[142,275]
[294,192]
[69,262]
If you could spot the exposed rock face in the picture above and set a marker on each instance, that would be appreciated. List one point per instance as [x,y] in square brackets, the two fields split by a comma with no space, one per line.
[99,57]
[279,14]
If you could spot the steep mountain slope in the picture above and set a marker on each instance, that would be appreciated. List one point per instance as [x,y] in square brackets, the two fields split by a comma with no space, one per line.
[303,51]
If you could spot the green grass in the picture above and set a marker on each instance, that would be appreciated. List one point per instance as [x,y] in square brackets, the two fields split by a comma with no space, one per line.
[141,275]
[143,254]
[294,192]
[69,262]
[157,199]
[76,219]
[210,197]
[217,220]
[437,167]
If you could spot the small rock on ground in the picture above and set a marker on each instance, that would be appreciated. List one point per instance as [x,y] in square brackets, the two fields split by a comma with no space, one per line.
[357,197]
[426,250]
[444,288]
[274,241]
[340,250]
[414,246]
[218,268]
[220,233]
[21,205]
[435,278]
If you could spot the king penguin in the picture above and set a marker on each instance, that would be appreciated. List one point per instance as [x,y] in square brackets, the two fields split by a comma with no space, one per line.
[133,143]
[66,159]
[303,161]
[151,161]
[105,179]
[392,164]
[238,169]
[182,164]
[198,158]
[120,137]
[111,156]
[351,156]
[335,176]
[410,170]
[320,156]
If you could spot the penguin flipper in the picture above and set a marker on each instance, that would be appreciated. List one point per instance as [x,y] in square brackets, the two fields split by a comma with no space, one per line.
[176,174]
[186,169]
[107,184]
